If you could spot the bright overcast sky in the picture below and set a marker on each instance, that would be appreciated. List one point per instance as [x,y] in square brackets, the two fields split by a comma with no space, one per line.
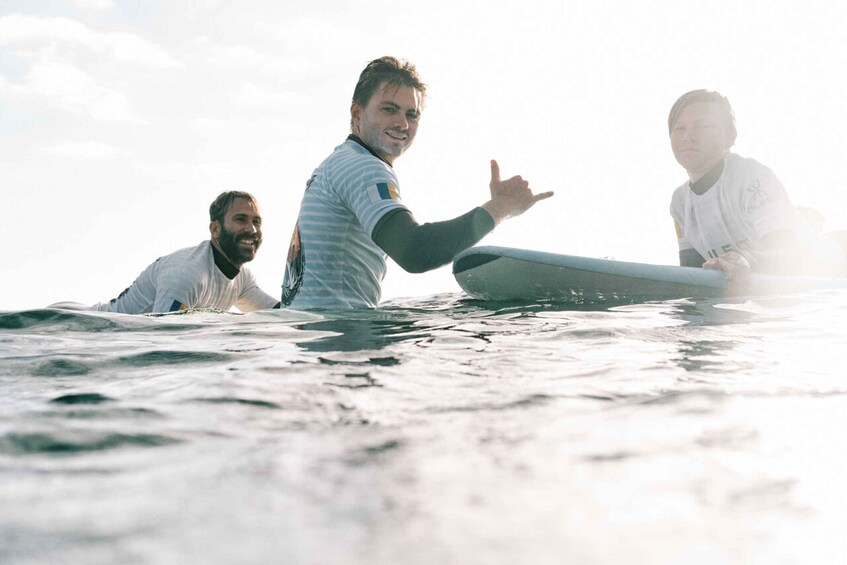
[121,121]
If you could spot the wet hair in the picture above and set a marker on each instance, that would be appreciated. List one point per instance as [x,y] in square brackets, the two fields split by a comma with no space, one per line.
[219,207]
[709,97]
[389,70]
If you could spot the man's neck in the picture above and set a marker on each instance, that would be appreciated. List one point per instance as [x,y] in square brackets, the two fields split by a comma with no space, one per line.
[707,180]
[224,263]
[357,139]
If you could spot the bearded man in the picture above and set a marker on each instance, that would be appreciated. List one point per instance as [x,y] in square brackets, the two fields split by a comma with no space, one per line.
[209,275]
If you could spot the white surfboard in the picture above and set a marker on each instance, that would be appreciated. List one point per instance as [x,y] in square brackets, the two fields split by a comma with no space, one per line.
[503,273]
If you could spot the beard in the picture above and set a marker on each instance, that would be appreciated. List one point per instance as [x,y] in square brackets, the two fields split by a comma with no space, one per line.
[229,243]
[374,138]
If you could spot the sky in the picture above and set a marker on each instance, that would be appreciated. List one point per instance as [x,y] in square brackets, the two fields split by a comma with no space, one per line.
[120,121]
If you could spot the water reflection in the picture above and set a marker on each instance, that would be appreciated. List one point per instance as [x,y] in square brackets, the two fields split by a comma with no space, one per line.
[707,356]
[359,334]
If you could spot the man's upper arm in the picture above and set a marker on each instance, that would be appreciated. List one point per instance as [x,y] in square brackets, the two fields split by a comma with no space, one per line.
[768,208]
[371,193]
[166,303]
[175,290]
[252,297]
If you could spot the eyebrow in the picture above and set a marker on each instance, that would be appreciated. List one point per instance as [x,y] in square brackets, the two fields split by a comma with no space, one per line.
[414,110]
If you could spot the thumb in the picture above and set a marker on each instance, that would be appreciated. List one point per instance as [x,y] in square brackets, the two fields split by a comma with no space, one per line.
[542,196]
[495,172]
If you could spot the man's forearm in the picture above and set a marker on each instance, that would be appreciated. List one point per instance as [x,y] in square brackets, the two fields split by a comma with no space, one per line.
[422,247]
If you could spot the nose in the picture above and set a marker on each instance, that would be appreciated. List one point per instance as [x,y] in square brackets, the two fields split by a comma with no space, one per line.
[692,134]
[401,121]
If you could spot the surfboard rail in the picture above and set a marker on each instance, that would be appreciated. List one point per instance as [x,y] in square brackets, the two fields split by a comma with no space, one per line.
[511,274]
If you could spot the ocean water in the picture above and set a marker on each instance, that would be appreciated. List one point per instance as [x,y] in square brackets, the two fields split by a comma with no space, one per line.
[435,430]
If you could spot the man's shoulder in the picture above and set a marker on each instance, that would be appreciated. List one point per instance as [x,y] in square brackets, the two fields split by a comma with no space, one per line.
[351,169]
[744,176]
[245,274]
[680,193]
[181,258]
[736,164]
[351,158]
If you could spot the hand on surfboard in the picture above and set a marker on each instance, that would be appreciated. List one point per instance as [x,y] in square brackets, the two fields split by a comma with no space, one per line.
[510,197]
[736,268]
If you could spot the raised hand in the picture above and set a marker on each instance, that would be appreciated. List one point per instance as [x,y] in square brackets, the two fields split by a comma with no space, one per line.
[510,197]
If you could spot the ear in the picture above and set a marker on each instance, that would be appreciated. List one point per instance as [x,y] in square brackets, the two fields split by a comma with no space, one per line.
[355,117]
[731,135]
[215,229]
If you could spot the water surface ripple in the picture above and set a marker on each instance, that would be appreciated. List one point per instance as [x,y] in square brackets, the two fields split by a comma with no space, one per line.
[435,430]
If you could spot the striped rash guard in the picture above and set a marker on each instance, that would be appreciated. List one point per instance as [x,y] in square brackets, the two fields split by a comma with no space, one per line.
[332,261]
[351,219]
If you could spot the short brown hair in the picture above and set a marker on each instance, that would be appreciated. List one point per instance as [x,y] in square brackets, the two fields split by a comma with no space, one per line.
[390,70]
[709,97]
[219,207]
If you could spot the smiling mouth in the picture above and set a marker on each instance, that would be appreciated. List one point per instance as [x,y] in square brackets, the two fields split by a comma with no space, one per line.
[397,136]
